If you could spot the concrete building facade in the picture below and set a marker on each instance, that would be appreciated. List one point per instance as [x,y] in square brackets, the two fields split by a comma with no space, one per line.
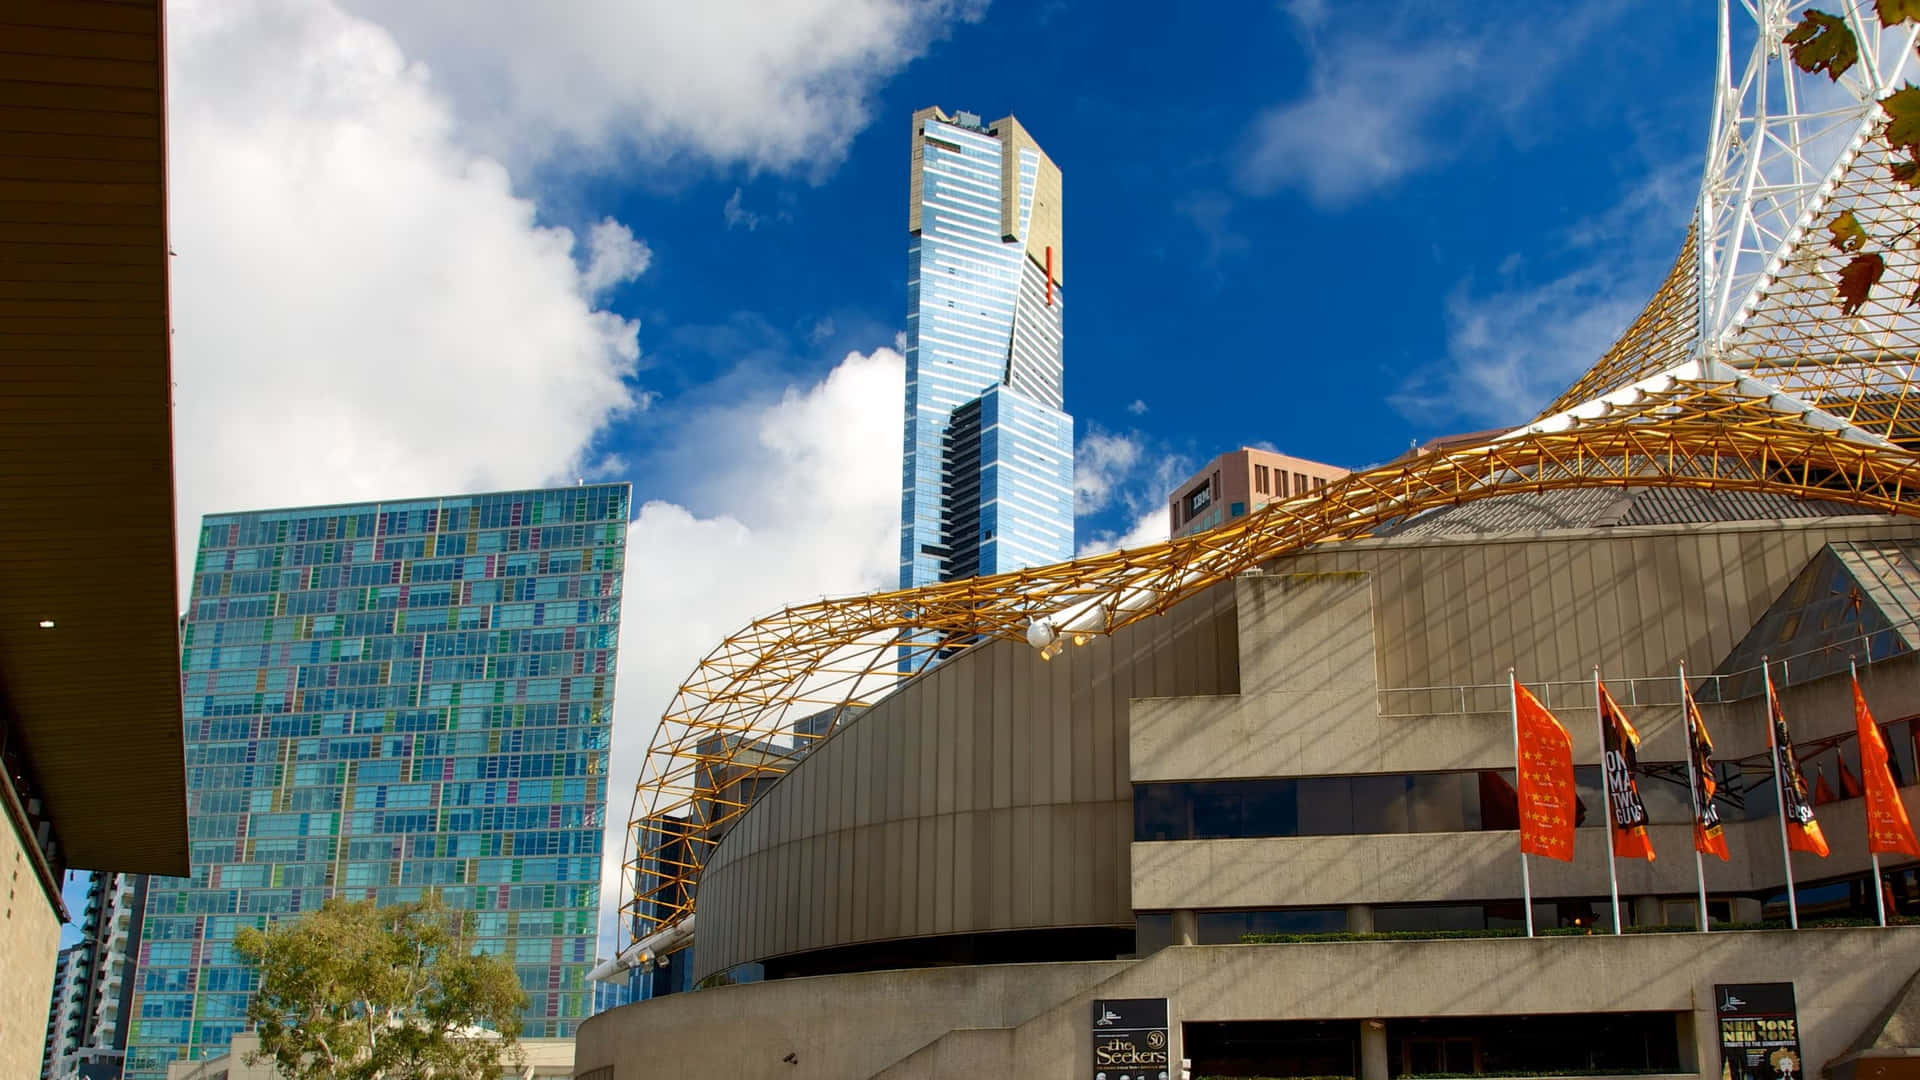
[538,1059]
[1316,752]
[1239,482]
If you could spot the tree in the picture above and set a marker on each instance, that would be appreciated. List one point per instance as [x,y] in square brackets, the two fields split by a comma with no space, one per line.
[359,992]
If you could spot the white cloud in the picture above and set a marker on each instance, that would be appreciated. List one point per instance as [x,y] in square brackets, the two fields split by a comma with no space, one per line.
[1392,91]
[362,307]
[772,85]
[1149,527]
[614,257]
[1212,214]
[1363,123]
[815,478]
[1101,464]
[1138,407]
[1515,345]
[737,216]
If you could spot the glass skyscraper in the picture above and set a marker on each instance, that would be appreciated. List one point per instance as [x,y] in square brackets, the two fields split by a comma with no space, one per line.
[987,481]
[383,699]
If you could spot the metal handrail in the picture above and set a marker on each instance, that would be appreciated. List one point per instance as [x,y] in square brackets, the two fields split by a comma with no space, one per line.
[1640,690]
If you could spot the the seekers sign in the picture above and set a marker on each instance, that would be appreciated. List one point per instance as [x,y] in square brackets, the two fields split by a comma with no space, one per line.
[1130,1039]
[1759,1032]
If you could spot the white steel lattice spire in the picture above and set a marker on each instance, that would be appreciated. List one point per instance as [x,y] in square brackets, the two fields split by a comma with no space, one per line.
[1779,140]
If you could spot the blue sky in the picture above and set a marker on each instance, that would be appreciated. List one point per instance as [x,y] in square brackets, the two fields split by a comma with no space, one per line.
[1334,233]
[443,247]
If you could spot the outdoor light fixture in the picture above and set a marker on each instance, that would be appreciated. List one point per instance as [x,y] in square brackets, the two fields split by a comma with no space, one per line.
[1040,633]
[46,624]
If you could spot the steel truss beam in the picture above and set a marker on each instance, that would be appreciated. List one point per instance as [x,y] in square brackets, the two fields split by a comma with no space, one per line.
[1741,374]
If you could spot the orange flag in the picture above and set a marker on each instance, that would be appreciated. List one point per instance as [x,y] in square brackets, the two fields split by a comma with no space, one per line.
[1708,838]
[1888,830]
[1545,769]
[1803,832]
[1627,815]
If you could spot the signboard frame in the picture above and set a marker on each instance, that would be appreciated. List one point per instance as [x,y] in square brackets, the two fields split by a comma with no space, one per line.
[1759,1030]
[1132,1039]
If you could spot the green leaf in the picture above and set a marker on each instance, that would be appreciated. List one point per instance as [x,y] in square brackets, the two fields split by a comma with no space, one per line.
[1857,279]
[1907,172]
[1823,42]
[1846,232]
[1903,117]
[1895,12]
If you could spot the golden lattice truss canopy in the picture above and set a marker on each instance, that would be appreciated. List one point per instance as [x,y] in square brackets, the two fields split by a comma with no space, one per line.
[1784,392]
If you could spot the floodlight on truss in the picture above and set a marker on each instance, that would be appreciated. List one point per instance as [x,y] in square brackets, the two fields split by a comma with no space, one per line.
[1742,373]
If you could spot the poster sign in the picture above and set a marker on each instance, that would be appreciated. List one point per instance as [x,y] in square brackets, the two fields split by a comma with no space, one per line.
[1130,1039]
[1759,1031]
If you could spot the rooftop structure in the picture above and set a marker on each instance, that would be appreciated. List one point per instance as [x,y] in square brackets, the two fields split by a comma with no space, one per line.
[1241,482]
[90,742]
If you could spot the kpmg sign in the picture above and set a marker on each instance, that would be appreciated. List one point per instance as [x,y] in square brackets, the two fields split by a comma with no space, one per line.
[1759,1031]
[1130,1039]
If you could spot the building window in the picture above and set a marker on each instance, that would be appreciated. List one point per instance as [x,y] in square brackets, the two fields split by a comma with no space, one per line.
[1300,483]
[1260,479]
[1199,499]
[1280,482]
[1319,482]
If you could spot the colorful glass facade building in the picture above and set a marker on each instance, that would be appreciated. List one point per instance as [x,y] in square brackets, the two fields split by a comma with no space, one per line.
[987,476]
[383,699]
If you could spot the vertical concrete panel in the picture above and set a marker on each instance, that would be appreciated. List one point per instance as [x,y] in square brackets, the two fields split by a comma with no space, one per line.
[892,844]
[1025,693]
[1060,726]
[946,747]
[927,873]
[1000,757]
[860,779]
[1000,859]
[969,770]
[1109,715]
[1023,862]
[1087,695]
[916,788]
[951,902]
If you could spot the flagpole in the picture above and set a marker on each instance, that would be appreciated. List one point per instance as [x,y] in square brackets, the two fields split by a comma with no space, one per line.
[1693,795]
[1606,802]
[1526,876]
[1879,890]
[1780,793]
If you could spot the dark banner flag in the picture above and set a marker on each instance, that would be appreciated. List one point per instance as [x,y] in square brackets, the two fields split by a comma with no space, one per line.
[1803,832]
[1626,814]
[1708,839]
[1888,830]
[1545,769]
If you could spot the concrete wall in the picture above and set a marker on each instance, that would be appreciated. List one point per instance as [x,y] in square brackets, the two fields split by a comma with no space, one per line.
[989,794]
[994,793]
[847,1026]
[1314,640]
[539,1059]
[29,941]
[837,1027]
